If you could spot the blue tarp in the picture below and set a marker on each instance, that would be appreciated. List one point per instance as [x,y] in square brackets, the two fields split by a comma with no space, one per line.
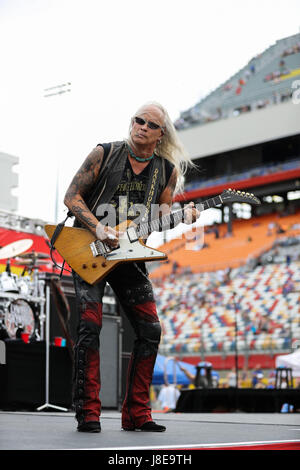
[164,363]
[159,371]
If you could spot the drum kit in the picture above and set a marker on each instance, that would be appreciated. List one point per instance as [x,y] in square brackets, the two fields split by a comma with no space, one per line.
[22,297]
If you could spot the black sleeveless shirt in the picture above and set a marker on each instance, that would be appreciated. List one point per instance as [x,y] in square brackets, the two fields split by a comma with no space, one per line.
[131,189]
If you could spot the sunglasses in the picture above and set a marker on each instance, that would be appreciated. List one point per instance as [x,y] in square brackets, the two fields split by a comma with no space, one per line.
[150,124]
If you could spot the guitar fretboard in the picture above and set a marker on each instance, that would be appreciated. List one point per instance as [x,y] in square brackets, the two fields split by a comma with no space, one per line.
[168,221]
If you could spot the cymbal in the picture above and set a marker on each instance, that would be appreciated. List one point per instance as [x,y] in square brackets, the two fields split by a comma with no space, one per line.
[34,255]
[15,248]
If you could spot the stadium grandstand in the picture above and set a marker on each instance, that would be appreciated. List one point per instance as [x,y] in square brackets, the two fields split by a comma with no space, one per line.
[235,289]
[265,80]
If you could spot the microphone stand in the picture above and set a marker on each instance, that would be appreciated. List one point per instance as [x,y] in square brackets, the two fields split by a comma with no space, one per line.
[47,404]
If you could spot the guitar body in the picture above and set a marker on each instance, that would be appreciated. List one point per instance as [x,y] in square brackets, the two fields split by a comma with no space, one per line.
[74,245]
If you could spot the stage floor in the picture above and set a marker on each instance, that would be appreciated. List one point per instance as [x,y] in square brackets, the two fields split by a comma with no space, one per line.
[52,430]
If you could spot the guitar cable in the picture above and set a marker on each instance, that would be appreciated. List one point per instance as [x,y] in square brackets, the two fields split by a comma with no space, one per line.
[52,247]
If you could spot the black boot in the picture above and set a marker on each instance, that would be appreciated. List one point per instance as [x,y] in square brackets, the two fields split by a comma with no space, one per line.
[89,426]
[149,426]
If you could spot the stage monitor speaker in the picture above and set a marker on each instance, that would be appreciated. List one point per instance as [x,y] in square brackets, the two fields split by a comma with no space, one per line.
[110,362]
[128,335]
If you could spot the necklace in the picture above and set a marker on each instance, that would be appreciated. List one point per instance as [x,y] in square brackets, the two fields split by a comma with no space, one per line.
[139,159]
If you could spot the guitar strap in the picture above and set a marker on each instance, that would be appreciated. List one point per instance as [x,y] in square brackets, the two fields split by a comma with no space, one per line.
[157,172]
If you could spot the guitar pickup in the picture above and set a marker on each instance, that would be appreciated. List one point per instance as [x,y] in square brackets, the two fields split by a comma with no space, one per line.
[99,248]
[132,235]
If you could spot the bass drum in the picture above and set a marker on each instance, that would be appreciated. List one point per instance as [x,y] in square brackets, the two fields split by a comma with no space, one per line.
[17,317]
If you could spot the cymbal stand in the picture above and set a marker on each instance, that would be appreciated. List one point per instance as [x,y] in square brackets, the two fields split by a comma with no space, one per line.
[42,316]
[47,404]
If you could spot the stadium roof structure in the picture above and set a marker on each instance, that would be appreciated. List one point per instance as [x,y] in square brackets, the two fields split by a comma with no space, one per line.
[255,105]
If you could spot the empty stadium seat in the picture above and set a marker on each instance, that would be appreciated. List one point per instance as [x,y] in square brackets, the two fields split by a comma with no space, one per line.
[198,311]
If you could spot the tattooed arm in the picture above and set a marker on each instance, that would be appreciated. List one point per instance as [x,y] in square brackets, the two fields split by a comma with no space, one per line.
[80,187]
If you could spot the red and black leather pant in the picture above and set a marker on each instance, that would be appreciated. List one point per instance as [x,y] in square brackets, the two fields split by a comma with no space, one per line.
[135,294]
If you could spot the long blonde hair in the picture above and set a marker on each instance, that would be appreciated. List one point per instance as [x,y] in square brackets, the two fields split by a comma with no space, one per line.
[170,146]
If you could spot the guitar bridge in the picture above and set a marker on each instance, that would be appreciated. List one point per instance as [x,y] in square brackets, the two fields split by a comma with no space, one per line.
[99,248]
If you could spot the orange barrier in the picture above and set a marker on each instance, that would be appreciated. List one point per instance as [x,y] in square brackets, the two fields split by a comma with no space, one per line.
[249,240]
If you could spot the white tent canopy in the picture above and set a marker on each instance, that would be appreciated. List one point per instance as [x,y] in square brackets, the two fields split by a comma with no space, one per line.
[290,360]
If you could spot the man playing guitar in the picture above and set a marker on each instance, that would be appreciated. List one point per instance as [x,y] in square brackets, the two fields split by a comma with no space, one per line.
[129,166]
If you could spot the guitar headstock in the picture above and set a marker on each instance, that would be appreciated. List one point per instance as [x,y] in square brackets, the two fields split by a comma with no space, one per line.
[232,195]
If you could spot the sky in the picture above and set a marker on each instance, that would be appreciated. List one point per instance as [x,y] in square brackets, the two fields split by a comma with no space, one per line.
[117,55]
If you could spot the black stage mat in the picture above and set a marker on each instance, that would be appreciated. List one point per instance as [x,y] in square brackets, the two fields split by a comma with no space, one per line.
[233,399]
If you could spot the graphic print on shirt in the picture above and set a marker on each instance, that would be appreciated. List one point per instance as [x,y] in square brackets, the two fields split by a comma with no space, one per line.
[130,194]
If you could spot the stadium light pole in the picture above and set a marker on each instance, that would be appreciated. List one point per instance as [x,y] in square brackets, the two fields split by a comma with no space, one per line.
[203,314]
[57,90]
[50,92]
[236,341]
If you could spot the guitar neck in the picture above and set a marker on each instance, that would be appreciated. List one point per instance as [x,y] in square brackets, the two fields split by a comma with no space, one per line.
[169,221]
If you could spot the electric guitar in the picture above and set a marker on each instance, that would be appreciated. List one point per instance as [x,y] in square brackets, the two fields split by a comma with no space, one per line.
[92,259]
